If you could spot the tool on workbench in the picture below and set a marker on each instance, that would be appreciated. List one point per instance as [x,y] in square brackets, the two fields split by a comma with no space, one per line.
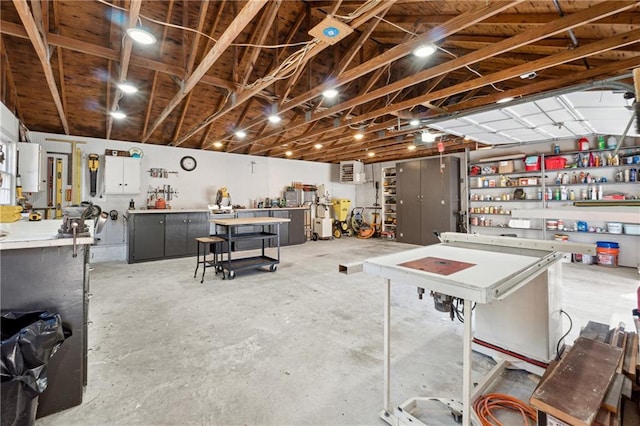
[94,164]
[58,188]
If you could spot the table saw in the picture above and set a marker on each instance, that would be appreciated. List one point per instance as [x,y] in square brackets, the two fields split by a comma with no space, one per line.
[516,279]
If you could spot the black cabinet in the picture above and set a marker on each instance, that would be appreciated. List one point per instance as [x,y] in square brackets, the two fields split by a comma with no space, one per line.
[146,240]
[428,199]
[154,236]
[296,227]
[284,227]
[181,230]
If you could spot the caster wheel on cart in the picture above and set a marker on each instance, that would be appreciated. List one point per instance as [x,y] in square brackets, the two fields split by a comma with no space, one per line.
[273,268]
[314,237]
[344,226]
[337,233]
[231,275]
[350,232]
[219,269]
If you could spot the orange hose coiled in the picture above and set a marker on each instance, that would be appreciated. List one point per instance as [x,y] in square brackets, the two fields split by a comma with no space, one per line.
[486,403]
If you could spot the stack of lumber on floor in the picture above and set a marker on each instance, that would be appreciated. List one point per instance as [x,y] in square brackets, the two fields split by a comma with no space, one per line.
[593,383]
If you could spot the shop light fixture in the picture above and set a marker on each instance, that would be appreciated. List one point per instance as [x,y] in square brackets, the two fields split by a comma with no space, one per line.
[371,154]
[330,93]
[425,50]
[288,153]
[318,146]
[217,144]
[274,118]
[141,35]
[241,134]
[411,147]
[504,100]
[118,115]
[358,136]
[414,122]
[127,87]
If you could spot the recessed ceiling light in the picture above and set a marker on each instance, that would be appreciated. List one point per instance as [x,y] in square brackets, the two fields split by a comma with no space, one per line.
[425,50]
[371,154]
[358,136]
[330,93]
[241,134]
[127,88]
[141,34]
[504,100]
[217,144]
[414,122]
[288,153]
[274,118]
[118,115]
[411,147]
[318,146]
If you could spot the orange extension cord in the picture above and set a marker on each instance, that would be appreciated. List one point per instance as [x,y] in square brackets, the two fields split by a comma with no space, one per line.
[492,401]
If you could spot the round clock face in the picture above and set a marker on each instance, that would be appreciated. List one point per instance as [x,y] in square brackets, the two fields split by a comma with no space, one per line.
[188,163]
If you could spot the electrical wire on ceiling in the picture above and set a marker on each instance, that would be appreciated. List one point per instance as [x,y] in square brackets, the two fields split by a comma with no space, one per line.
[180,27]
[367,6]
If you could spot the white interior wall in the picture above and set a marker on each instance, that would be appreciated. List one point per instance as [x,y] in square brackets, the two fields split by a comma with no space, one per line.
[248,178]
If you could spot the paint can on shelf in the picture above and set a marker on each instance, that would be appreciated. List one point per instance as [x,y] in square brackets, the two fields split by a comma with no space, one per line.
[607,253]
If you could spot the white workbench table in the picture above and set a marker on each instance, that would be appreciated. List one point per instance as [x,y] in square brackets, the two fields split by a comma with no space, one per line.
[494,275]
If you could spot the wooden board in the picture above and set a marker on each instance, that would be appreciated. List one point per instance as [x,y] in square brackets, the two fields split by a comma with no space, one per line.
[575,389]
[437,265]
[614,392]
[630,356]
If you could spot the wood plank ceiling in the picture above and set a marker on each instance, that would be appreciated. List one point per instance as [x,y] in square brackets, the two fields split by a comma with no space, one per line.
[222,66]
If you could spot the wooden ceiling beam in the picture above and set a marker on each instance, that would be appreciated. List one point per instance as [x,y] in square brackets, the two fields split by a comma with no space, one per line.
[543,63]
[253,53]
[458,23]
[204,7]
[538,33]
[628,18]
[15,107]
[251,8]
[537,87]
[273,76]
[43,54]
[9,28]
[154,82]
[125,56]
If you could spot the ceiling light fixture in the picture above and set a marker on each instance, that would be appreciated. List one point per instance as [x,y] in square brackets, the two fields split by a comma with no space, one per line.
[504,100]
[330,93]
[358,136]
[241,134]
[318,146]
[118,115]
[217,144]
[274,118]
[424,50]
[141,34]
[411,147]
[371,154]
[414,122]
[288,153]
[127,88]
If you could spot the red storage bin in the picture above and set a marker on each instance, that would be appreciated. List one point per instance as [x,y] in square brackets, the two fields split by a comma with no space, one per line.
[532,163]
[551,163]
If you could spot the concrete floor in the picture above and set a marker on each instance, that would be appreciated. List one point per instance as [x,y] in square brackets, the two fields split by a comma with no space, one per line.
[299,346]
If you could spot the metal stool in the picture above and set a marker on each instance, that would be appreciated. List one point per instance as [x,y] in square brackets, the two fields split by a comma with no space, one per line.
[213,242]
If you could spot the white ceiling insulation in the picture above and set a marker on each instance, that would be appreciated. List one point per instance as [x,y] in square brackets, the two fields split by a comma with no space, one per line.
[567,116]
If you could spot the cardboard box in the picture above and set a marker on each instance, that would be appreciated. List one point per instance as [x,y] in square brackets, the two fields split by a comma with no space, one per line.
[505,166]
[527,181]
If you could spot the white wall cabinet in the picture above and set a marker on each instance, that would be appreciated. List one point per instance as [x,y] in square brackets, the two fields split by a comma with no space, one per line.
[121,175]
[31,168]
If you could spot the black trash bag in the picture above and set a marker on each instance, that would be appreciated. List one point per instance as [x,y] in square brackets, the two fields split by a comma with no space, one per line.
[29,340]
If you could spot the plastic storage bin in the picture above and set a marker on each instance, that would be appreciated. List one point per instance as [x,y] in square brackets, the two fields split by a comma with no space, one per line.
[552,163]
[532,163]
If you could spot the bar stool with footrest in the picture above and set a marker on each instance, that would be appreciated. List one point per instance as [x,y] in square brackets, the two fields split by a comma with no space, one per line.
[215,247]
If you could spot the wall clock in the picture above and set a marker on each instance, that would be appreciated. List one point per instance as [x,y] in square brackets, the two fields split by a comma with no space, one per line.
[188,163]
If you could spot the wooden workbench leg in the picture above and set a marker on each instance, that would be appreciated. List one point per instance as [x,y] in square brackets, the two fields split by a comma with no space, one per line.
[466,365]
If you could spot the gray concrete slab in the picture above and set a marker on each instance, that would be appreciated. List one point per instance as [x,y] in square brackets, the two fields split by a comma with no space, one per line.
[301,346]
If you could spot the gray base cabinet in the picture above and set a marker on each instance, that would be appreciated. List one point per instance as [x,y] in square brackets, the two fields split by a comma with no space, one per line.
[428,199]
[155,236]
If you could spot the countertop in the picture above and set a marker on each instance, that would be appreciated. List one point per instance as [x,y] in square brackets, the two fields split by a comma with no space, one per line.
[153,211]
[25,234]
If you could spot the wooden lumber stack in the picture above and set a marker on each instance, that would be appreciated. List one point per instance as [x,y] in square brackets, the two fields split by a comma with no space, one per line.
[595,383]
